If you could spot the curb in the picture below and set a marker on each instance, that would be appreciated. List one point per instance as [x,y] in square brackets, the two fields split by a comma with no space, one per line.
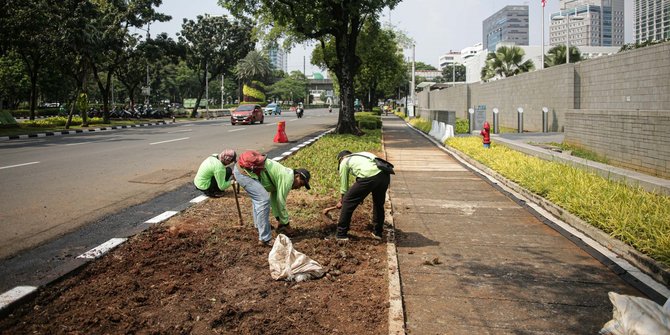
[20,293]
[396,310]
[639,270]
[78,131]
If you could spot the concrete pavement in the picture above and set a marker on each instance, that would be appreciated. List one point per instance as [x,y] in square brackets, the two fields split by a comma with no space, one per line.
[473,260]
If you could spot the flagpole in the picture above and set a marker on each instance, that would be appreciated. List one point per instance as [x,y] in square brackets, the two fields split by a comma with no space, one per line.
[542,61]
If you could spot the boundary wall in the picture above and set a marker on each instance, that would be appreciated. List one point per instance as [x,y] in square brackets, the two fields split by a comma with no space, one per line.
[617,106]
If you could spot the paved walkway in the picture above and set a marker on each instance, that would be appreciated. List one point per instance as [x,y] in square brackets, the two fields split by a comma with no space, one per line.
[474,261]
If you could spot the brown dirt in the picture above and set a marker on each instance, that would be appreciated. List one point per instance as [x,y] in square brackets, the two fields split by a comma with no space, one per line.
[201,273]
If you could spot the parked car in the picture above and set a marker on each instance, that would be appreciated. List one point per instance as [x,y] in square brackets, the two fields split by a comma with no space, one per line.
[272,108]
[247,114]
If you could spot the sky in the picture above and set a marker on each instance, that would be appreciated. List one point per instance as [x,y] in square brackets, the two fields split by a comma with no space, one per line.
[436,26]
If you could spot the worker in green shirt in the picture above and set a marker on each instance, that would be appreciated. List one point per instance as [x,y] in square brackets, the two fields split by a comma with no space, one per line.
[276,179]
[213,175]
[369,179]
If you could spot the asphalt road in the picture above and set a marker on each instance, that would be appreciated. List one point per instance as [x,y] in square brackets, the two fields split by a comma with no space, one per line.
[51,186]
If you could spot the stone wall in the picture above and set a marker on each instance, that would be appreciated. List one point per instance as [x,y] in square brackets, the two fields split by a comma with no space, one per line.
[618,105]
[637,140]
[631,80]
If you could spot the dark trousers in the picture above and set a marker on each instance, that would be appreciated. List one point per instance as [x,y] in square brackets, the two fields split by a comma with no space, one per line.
[377,185]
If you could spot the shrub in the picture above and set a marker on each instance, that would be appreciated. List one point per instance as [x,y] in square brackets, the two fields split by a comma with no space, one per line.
[421,124]
[462,126]
[7,120]
[366,119]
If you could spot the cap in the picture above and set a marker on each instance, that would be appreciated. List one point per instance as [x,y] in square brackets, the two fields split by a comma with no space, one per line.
[306,176]
[227,156]
[342,154]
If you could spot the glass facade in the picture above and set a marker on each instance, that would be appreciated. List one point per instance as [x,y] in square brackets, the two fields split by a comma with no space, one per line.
[509,24]
[591,23]
[652,20]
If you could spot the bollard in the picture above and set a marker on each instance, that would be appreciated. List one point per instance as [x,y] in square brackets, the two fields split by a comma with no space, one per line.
[545,119]
[520,120]
[496,121]
[471,120]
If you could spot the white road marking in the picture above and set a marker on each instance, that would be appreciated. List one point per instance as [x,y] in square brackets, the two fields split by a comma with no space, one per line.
[162,217]
[199,199]
[180,131]
[17,165]
[15,294]
[103,248]
[168,141]
[238,129]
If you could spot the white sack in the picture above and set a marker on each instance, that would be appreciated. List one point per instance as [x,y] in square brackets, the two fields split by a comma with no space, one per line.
[637,316]
[289,264]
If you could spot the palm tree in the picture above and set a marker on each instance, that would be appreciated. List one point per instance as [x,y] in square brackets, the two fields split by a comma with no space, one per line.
[506,62]
[255,66]
[556,55]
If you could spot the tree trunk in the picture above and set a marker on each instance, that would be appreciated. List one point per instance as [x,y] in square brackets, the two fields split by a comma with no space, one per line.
[345,43]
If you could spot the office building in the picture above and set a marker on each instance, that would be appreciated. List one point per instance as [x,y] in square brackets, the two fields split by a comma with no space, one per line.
[591,23]
[652,20]
[509,24]
[278,59]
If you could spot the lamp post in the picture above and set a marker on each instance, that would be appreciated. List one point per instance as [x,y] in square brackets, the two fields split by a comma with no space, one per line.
[207,88]
[567,31]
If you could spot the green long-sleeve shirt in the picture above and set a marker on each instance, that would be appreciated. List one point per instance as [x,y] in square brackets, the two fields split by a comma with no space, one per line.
[278,180]
[359,167]
[211,167]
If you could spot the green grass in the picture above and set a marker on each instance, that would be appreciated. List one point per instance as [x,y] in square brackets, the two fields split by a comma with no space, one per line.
[321,158]
[580,152]
[422,124]
[639,218]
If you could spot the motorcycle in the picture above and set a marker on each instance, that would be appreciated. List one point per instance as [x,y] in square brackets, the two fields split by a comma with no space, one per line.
[299,111]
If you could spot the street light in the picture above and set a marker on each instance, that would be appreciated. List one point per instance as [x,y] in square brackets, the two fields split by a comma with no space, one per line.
[567,31]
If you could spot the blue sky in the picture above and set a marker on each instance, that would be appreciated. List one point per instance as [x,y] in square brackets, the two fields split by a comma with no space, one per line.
[437,26]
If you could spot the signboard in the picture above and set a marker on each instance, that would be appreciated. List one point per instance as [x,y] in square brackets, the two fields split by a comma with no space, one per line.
[480,117]
[146,90]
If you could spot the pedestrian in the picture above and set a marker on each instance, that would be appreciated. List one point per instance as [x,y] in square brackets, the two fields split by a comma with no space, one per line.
[214,174]
[263,176]
[486,133]
[369,179]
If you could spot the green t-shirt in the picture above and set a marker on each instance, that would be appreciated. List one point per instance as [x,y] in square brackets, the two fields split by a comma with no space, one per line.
[211,167]
[359,167]
[278,180]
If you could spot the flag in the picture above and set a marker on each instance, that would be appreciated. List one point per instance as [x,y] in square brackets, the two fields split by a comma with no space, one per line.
[544,2]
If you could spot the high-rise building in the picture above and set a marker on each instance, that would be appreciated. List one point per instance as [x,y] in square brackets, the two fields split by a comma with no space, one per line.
[591,22]
[278,59]
[509,24]
[652,20]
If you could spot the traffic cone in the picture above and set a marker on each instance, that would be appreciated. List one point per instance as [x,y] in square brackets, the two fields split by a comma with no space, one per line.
[281,133]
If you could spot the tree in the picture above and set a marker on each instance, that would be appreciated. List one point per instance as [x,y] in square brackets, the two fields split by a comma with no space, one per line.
[325,20]
[448,73]
[213,45]
[113,21]
[556,55]
[14,83]
[28,28]
[505,62]
[287,88]
[254,66]
[421,66]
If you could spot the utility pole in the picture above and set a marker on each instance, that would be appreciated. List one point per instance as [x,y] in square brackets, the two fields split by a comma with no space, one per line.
[222,91]
[413,78]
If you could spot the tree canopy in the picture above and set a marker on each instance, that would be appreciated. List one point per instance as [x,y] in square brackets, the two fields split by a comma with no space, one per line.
[323,20]
[506,62]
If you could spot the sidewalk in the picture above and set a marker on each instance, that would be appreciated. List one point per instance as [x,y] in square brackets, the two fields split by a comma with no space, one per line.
[474,261]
